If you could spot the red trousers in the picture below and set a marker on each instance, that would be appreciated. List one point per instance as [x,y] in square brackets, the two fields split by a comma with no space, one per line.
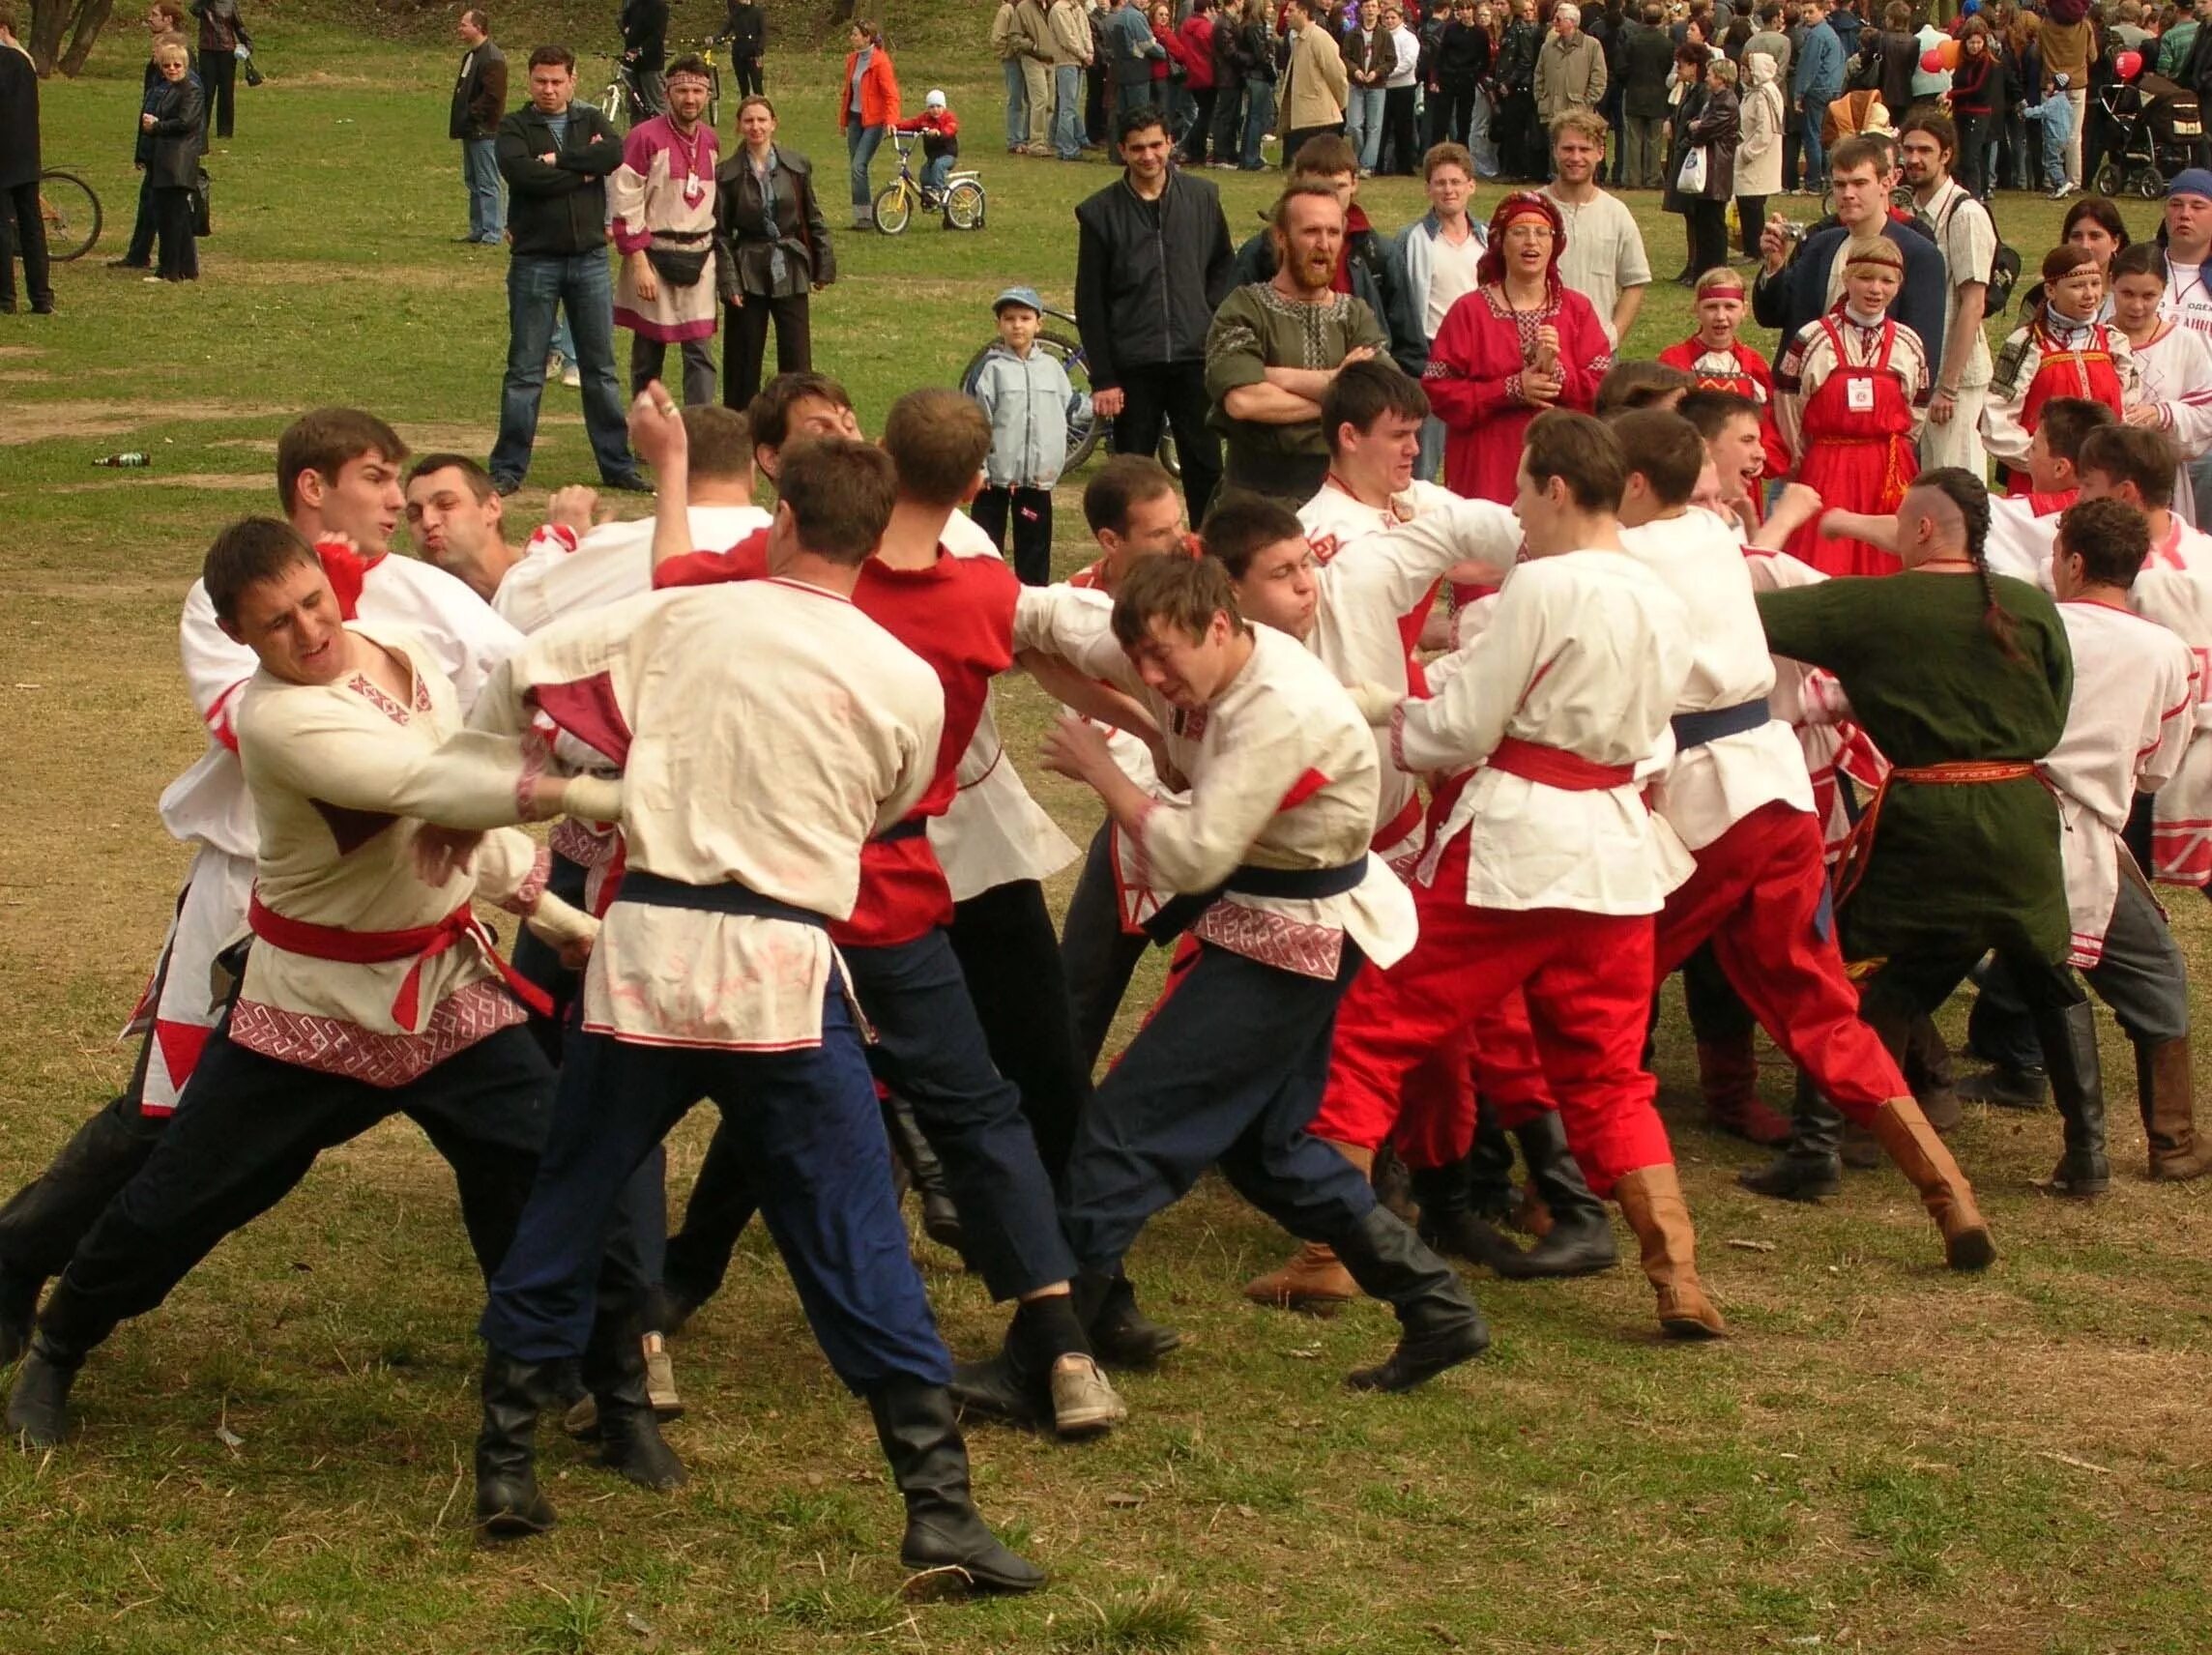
[1495,1057]
[1757,895]
[1586,979]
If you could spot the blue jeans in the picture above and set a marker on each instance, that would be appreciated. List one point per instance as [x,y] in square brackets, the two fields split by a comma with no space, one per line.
[935,171]
[1067,111]
[479,170]
[1017,105]
[1363,123]
[1259,116]
[860,150]
[1816,155]
[537,284]
[1134,95]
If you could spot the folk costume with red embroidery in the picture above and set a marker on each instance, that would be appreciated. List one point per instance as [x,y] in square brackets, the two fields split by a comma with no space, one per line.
[1520,342]
[2062,350]
[1850,394]
[1716,359]
[2173,361]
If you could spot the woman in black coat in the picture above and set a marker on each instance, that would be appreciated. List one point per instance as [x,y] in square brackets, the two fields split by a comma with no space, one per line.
[1716,130]
[176,120]
[1690,60]
[771,250]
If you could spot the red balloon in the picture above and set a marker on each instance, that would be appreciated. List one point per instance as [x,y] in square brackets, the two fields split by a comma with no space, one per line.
[1931,60]
[2128,65]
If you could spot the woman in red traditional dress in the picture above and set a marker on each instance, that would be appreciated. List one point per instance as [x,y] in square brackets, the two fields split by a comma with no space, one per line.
[2062,350]
[1518,344]
[1849,396]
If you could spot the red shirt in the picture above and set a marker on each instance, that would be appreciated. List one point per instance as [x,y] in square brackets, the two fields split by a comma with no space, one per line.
[957,615]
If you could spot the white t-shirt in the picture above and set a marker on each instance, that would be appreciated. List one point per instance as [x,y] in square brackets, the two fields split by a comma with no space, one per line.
[1604,253]
[1451,279]
[1967,237]
[2187,299]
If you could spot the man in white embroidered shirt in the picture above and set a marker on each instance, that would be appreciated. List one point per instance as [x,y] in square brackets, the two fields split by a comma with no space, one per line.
[370,989]
[1270,851]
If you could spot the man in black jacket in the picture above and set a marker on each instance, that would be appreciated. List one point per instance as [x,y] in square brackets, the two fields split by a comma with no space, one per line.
[222,33]
[19,174]
[555,156]
[1153,263]
[1646,64]
[480,104]
[645,51]
[746,31]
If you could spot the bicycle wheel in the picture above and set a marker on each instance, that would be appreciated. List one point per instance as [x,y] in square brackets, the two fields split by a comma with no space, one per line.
[71,215]
[894,209]
[964,205]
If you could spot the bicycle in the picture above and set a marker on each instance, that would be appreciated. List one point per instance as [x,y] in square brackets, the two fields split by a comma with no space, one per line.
[623,107]
[1085,430]
[71,215]
[962,201]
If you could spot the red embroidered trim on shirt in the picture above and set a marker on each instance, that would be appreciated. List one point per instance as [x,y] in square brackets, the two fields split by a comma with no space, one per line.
[334,1046]
[374,695]
[1272,939]
[524,901]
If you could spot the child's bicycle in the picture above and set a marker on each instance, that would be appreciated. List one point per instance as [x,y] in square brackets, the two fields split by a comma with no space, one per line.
[962,201]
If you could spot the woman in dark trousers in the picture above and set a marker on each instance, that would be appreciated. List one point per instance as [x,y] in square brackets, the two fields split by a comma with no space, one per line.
[1690,60]
[1977,93]
[746,31]
[222,33]
[772,250]
[167,17]
[1714,129]
[177,122]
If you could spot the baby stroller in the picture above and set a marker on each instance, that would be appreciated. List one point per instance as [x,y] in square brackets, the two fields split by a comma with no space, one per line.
[2153,130]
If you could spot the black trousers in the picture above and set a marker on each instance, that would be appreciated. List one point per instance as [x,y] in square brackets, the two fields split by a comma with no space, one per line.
[1194,140]
[1708,234]
[1229,122]
[1399,153]
[1030,511]
[1161,396]
[1454,106]
[44,1221]
[180,259]
[140,255]
[1973,141]
[1523,150]
[649,361]
[745,343]
[246,1133]
[1097,956]
[1793,146]
[219,80]
[748,70]
[1752,210]
[23,236]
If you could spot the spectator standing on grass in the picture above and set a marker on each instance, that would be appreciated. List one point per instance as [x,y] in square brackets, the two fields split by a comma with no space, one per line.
[1715,132]
[1460,61]
[1152,264]
[480,104]
[177,124]
[1256,52]
[1570,69]
[1369,58]
[1968,239]
[1036,59]
[772,249]
[1029,400]
[1006,48]
[1126,41]
[1442,251]
[1315,84]
[662,202]
[1073,49]
[644,26]
[1771,40]
[166,18]
[1513,122]
[1646,65]
[1603,257]
[1196,41]
[865,110]
[1401,91]
[1816,82]
[1758,150]
[223,31]
[20,170]
[556,156]
[1228,135]
[745,29]
[2068,49]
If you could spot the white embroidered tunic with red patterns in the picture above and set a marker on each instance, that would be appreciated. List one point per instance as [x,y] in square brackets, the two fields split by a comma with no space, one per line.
[342,776]
[1283,774]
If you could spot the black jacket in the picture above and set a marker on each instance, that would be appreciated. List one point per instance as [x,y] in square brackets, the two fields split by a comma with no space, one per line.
[221,29]
[559,210]
[644,26]
[19,120]
[480,95]
[746,31]
[1463,54]
[745,264]
[1150,274]
[1647,59]
[180,123]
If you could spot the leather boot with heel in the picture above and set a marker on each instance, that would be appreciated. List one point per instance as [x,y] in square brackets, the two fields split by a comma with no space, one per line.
[1920,1155]
[1580,1241]
[940,1218]
[1449,1220]
[1651,1201]
[1313,1278]
[929,1463]
[2069,1036]
[37,1407]
[1728,1077]
[2166,1086]
[508,1504]
[1439,1326]
[1810,1167]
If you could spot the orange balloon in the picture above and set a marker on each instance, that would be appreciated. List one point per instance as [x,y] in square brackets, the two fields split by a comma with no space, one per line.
[1950,52]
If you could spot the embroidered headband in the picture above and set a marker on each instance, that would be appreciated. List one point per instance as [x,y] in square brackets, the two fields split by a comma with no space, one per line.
[1875,250]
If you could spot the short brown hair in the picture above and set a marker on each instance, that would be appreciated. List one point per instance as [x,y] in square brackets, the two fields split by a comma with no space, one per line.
[1929,118]
[249,551]
[2130,454]
[1324,154]
[1240,524]
[323,441]
[1279,221]
[1447,155]
[1579,450]
[1664,449]
[840,493]
[2068,421]
[480,17]
[541,56]
[476,477]
[169,8]
[1120,483]
[1185,592]
[1639,382]
[720,441]
[1588,122]
[1859,150]
[938,438]
[1363,392]
[768,414]
[2109,536]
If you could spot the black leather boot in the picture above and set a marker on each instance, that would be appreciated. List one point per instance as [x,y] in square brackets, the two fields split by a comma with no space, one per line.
[37,1407]
[1809,1166]
[1448,1221]
[629,1436]
[1122,1336]
[2069,1036]
[19,1314]
[507,1502]
[1440,1324]
[1580,1242]
[929,1463]
[1489,1193]
[940,1218]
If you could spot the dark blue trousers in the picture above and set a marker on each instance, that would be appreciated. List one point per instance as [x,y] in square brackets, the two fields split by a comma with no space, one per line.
[806,1123]
[1228,1072]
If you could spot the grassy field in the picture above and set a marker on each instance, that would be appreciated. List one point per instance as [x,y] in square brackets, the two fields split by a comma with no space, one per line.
[1884,1458]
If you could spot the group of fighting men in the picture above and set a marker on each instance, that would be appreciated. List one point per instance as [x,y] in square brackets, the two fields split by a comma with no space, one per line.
[794,869]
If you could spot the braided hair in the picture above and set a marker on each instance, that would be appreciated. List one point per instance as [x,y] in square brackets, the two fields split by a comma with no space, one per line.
[1971,496]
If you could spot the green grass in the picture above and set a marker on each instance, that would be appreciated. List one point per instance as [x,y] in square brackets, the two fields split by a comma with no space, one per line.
[1886,1458]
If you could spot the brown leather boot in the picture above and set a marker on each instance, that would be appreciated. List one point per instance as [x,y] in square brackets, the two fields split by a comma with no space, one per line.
[2166,1086]
[1651,1201]
[1920,1155]
[1314,1279]
[1728,1076]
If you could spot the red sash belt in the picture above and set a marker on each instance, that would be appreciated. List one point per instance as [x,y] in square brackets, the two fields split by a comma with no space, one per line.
[1556,766]
[421,943]
[1963,773]
[1401,826]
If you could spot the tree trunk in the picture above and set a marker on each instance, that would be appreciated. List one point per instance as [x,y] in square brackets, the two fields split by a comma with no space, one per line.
[91,18]
[80,19]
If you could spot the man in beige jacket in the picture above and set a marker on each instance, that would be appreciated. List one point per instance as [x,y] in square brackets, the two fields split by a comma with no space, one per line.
[1570,69]
[1032,39]
[1072,49]
[1316,84]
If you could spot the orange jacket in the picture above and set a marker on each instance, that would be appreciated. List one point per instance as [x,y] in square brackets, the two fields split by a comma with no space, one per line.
[879,91]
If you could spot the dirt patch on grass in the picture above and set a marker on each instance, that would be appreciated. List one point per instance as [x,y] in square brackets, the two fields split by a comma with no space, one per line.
[23,422]
[297,275]
[226,479]
[14,352]
[25,376]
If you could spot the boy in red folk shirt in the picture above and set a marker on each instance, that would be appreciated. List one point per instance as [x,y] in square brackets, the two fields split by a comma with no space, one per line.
[1544,871]
[957,614]
[1716,359]
[1738,796]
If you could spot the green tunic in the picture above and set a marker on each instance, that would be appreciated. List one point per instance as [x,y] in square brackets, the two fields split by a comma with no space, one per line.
[1952,868]
[1257,328]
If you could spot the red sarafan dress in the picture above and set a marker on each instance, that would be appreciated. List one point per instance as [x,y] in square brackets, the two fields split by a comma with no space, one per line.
[1474,381]
[1743,371]
[1849,402]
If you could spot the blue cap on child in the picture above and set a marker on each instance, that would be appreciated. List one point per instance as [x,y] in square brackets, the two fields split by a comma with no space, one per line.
[1026,296]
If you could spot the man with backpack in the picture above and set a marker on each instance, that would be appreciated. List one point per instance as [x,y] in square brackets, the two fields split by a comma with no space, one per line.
[1966,237]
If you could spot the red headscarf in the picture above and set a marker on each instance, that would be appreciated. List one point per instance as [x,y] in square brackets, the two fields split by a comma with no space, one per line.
[1523,204]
